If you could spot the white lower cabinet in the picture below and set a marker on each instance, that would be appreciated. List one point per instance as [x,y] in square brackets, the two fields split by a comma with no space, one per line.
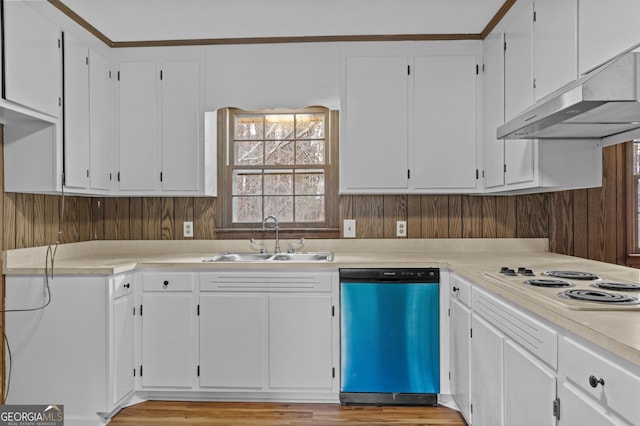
[598,388]
[77,350]
[233,338]
[487,388]
[267,332]
[168,314]
[460,343]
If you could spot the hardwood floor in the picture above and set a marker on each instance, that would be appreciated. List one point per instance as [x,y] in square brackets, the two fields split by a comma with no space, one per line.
[158,413]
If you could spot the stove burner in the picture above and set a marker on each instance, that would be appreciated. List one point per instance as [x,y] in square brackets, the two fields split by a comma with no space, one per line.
[572,275]
[548,283]
[599,296]
[617,286]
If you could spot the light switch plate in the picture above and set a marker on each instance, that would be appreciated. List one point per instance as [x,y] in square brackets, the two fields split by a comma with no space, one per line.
[349,226]
[187,229]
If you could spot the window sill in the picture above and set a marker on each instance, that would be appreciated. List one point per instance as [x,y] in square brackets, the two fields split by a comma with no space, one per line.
[285,233]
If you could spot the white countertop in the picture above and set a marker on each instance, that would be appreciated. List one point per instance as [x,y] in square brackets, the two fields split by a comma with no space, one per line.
[616,331]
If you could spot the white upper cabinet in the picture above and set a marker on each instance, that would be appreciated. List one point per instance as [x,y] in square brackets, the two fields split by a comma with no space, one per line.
[493,80]
[138,126]
[374,151]
[555,45]
[409,123]
[181,126]
[32,59]
[161,136]
[100,134]
[606,29]
[76,113]
[445,131]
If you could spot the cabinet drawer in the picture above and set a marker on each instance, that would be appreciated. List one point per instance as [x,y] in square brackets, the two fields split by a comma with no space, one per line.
[264,281]
[122,285]
[528,332]
[460,289]
[168,281]
[621,386]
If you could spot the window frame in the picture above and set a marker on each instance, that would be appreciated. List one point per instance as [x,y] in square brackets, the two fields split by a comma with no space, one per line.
[632,210]
[225,228]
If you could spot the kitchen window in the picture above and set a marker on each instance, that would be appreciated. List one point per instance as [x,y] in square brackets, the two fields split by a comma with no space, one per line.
[281,163]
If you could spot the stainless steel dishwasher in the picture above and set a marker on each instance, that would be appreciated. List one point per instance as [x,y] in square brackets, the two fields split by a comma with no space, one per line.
[389,335]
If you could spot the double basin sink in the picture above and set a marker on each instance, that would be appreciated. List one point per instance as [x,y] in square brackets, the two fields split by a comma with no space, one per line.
[323,256]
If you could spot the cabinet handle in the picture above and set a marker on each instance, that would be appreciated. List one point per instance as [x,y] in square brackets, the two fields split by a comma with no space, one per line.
[594,381]
[455,289]
[127,285]
[166,283]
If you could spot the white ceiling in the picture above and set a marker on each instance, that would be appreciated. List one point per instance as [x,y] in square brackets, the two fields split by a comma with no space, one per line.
[144,20]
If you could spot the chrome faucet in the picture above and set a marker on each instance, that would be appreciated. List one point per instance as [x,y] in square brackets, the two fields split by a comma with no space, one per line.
[277,228]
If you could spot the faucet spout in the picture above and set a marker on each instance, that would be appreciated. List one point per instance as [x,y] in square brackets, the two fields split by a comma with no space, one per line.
[276,226]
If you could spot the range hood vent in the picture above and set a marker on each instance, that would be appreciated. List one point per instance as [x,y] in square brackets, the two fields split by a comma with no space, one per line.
[604,103]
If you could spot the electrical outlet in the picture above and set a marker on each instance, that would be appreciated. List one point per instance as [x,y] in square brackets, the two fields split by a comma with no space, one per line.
[349,226]
[187,229]
[401,228]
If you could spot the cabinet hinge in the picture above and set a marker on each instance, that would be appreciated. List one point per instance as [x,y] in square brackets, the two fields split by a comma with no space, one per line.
[140,370]
[160,74]
[198,372]
[534,83]
[477,69]
[408,69]
[87,172]
[535,16]
[198,309]
[505,168]
[505,45]
[119,71]
[59,44]
[160,176]
[333,310]
[408,173]
[556,408]
[109,73]
[483,67]
[140,310]
[483,174]
[134,372]
[471,407]
[134,311]
[449,375]
[333,372]
[470,332]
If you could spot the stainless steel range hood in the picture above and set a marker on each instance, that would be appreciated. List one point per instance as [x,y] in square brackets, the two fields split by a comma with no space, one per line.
[605,103]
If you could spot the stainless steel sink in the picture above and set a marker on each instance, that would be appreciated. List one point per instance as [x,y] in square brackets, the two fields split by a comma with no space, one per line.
[324,256]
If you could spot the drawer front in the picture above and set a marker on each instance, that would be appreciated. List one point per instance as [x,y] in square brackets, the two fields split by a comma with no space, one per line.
[264,281]
[168,281]
[530,333]
[460,289]
[621,387]
[122,285]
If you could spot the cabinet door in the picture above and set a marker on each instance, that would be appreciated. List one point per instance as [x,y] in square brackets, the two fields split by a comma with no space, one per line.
[181,125]
[579,410]
[529,389]
[492,147]
[32,58]
[233,340]
[555,45]
[138,126]
[487,391]
[76,113]
[460,347]
[300,351]
[606,29]
[167,340]
[123,347]
[445,90]
[519,155]
[374,152]
[99,122]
